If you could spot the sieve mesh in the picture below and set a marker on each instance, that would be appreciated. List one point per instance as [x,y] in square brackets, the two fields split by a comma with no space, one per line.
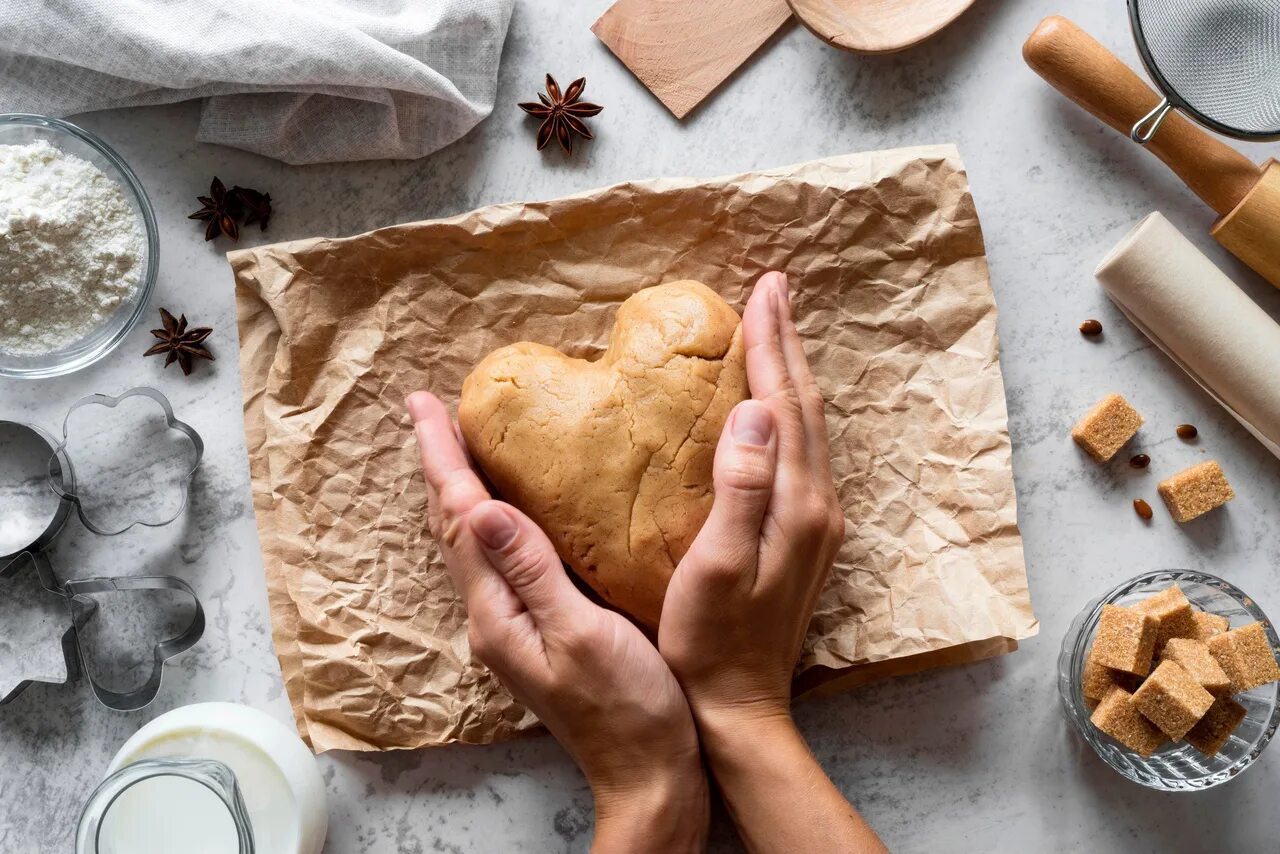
[1219,58]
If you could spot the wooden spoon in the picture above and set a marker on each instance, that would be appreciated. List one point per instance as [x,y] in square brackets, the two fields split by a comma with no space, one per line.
[877,26]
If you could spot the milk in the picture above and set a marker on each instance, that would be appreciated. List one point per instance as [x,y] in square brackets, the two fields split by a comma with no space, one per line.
[189,814]
[164,790]
[167,814]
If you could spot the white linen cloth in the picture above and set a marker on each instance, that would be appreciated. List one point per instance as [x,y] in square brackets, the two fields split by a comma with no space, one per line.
[303,81]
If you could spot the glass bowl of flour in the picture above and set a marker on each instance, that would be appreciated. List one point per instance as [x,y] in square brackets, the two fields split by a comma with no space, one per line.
[78,247]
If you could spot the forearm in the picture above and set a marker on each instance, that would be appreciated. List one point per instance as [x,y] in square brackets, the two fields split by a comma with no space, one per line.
[777,793]
[668,813]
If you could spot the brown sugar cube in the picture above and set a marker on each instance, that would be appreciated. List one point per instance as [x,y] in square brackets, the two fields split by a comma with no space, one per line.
[1126,640]
[1208,625]
[1245,654]
[1194,657]
[1172,700]
[1195,491]
[1171,608]
[1107,427]
[1216,726]
[1117,716]
[1097,680]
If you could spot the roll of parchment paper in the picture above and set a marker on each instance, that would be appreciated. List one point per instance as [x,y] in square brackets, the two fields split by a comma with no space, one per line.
[1200,319]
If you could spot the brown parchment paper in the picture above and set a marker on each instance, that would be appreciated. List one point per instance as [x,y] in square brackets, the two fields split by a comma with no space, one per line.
[886,259]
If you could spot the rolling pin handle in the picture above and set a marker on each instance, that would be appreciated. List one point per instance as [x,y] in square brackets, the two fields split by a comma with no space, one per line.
[1075,64]
[1146,127]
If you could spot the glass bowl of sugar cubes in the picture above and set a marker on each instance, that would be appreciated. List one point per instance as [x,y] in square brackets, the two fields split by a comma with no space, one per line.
[1172,679]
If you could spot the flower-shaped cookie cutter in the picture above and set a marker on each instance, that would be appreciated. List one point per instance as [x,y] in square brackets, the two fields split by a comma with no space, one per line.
[39,513]
[70,492]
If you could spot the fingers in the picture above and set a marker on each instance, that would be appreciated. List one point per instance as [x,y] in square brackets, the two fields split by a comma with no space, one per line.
[453,485]
[453,491]
[745,466]
[509,575]
[778,370]
[521,553]
[811,403]
[767,371]
[462,443]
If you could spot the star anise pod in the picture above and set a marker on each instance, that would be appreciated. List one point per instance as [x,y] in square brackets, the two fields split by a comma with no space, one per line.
[220,212]
[180,343]
[562,115]
[256,205]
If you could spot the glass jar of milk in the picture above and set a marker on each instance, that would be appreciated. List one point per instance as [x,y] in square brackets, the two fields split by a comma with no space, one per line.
[212,778]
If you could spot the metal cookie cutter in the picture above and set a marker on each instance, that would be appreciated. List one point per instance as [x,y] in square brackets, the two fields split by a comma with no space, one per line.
[67,489]
[37,491]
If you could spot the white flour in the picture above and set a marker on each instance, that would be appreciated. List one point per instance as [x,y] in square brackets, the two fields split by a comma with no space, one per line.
[72,250]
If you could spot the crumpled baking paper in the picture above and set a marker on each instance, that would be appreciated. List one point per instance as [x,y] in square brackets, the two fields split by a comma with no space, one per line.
[891,294]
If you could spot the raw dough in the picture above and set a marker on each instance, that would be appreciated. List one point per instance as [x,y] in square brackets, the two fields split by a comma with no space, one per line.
[613,458]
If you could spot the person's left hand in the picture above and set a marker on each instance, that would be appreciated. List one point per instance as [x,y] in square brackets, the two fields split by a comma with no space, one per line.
[588,673]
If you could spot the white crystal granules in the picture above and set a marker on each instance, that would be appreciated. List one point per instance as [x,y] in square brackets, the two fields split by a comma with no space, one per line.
[72,249]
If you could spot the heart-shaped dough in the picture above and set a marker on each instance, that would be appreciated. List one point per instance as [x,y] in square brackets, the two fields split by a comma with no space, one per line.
[613,458]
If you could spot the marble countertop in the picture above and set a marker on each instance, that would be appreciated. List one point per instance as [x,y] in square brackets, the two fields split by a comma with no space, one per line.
[977,758]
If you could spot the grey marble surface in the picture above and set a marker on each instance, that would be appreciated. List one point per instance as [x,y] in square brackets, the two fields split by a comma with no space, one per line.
[971,759]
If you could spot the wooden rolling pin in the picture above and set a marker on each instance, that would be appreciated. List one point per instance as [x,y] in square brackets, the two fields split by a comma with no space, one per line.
[1246,196]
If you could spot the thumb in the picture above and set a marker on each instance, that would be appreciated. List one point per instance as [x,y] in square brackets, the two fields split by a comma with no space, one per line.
[745,464]
[521,553]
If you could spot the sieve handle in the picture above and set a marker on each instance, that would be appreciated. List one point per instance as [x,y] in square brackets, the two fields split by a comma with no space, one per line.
[1078,66]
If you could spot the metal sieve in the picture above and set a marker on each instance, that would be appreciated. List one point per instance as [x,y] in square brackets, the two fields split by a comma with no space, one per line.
[1218,61]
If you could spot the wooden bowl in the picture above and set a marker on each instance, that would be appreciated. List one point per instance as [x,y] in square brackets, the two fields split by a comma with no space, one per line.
[877,26]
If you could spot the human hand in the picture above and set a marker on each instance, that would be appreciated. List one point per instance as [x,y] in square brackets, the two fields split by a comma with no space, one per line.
[739,602]
[589,674]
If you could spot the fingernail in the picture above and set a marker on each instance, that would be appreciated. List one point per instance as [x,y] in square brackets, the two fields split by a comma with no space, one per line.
[417,405]
[752,424]
[494,526]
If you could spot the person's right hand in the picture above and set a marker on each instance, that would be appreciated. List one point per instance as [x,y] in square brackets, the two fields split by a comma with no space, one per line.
[739,602]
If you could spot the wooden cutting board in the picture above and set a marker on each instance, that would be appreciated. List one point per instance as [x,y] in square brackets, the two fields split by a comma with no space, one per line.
[683,49]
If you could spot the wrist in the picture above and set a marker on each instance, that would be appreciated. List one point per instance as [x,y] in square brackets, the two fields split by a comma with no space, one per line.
[775,791]
[658,808]
[742,730]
